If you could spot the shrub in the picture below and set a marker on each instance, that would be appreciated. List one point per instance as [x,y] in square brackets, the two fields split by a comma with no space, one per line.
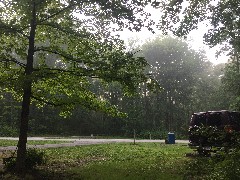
[8,131]
[227,167]
[34,157]
[220,166]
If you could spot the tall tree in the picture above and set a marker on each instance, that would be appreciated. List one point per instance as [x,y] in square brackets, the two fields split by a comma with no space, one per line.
[222,19]
[231,84]
[49,50]
[176,67]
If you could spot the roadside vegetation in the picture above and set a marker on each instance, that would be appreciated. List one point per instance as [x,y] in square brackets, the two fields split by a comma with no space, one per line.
[40,142]
[219,166]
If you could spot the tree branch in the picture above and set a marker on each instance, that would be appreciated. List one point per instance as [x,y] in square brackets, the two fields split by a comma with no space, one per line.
[62,54]
[71,4]
[66,30]
[72,72]
[47,102]
[13,60]
[11,29]
[54,52]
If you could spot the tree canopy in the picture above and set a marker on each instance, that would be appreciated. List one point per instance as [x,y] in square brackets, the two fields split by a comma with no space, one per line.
[221,17]
[51,49]
[72,42]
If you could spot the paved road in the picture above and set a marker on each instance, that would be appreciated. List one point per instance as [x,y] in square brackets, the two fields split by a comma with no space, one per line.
[78,142]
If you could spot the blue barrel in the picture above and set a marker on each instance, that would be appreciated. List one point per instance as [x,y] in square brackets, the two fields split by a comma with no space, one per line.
[171,138]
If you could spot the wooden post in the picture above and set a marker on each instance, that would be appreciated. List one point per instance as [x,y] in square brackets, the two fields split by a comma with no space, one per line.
[134,136]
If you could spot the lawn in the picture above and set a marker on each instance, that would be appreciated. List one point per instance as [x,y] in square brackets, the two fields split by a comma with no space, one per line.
[114,161]
[40,142]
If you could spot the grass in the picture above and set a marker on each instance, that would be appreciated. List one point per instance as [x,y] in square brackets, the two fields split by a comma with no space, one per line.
[127,161]
[40,142]
[115,161]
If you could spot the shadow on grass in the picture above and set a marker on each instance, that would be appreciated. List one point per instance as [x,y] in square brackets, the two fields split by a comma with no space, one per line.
[112,161]
[38,174]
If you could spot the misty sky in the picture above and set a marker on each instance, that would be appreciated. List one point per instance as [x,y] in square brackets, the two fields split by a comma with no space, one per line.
[195,38]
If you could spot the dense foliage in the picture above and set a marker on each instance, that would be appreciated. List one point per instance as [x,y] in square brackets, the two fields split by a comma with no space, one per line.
[52,50]
[189,83]
[230,82]
[62,54]
[222,20]
[221,166]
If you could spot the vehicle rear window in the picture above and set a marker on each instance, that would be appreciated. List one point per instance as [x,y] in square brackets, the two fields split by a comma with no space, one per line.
[214,119]
[198,119]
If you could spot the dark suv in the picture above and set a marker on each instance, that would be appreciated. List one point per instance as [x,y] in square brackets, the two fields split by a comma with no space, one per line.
[212,130]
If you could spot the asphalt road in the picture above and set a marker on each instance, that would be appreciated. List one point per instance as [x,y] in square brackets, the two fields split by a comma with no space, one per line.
[79,142]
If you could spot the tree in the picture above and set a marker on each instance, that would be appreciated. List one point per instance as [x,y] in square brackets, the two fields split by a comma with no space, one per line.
[222,19]
[231,85]
[50,49]
[176,67]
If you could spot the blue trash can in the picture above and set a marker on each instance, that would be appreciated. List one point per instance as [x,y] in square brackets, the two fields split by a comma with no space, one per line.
[171,138]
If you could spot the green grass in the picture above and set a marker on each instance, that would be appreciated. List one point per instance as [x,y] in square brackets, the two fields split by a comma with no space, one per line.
[114,161]
[117,161]
[40,142]
[127,161]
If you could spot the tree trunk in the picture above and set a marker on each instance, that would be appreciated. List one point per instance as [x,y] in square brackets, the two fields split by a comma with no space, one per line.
[27,91]
[21,152]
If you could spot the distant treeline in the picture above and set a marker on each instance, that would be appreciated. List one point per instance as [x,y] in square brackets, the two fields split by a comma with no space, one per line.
[188,82]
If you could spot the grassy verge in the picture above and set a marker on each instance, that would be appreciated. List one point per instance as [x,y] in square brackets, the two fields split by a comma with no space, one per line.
[14,143]
[114,161]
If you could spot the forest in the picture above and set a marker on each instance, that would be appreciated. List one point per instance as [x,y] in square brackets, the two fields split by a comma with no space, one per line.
[188,82]
[64,71]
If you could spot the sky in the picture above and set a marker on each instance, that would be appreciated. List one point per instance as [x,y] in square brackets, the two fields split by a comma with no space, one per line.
[195,39]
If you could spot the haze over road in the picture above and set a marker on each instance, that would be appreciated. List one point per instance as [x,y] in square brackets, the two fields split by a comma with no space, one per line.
[78,142]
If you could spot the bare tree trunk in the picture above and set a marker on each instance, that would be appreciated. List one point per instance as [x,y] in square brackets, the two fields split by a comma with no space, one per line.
[21,152]
[27,91]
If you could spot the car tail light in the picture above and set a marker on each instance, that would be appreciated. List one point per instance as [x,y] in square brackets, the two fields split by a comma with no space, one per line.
[228,129]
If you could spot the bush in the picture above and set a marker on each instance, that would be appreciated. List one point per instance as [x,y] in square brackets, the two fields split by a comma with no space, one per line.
[8,131]
[227,167]
[220,166]
[34,157]
[155,134]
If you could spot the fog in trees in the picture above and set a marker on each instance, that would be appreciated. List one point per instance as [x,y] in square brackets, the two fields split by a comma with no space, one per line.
[187,81]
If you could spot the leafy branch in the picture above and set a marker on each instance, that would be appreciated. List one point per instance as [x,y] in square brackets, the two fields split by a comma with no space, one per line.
[11,29]
[72,72]
[71,5]
[47,102]
[65,30]
[57,52]
[84,71]
[15,61]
